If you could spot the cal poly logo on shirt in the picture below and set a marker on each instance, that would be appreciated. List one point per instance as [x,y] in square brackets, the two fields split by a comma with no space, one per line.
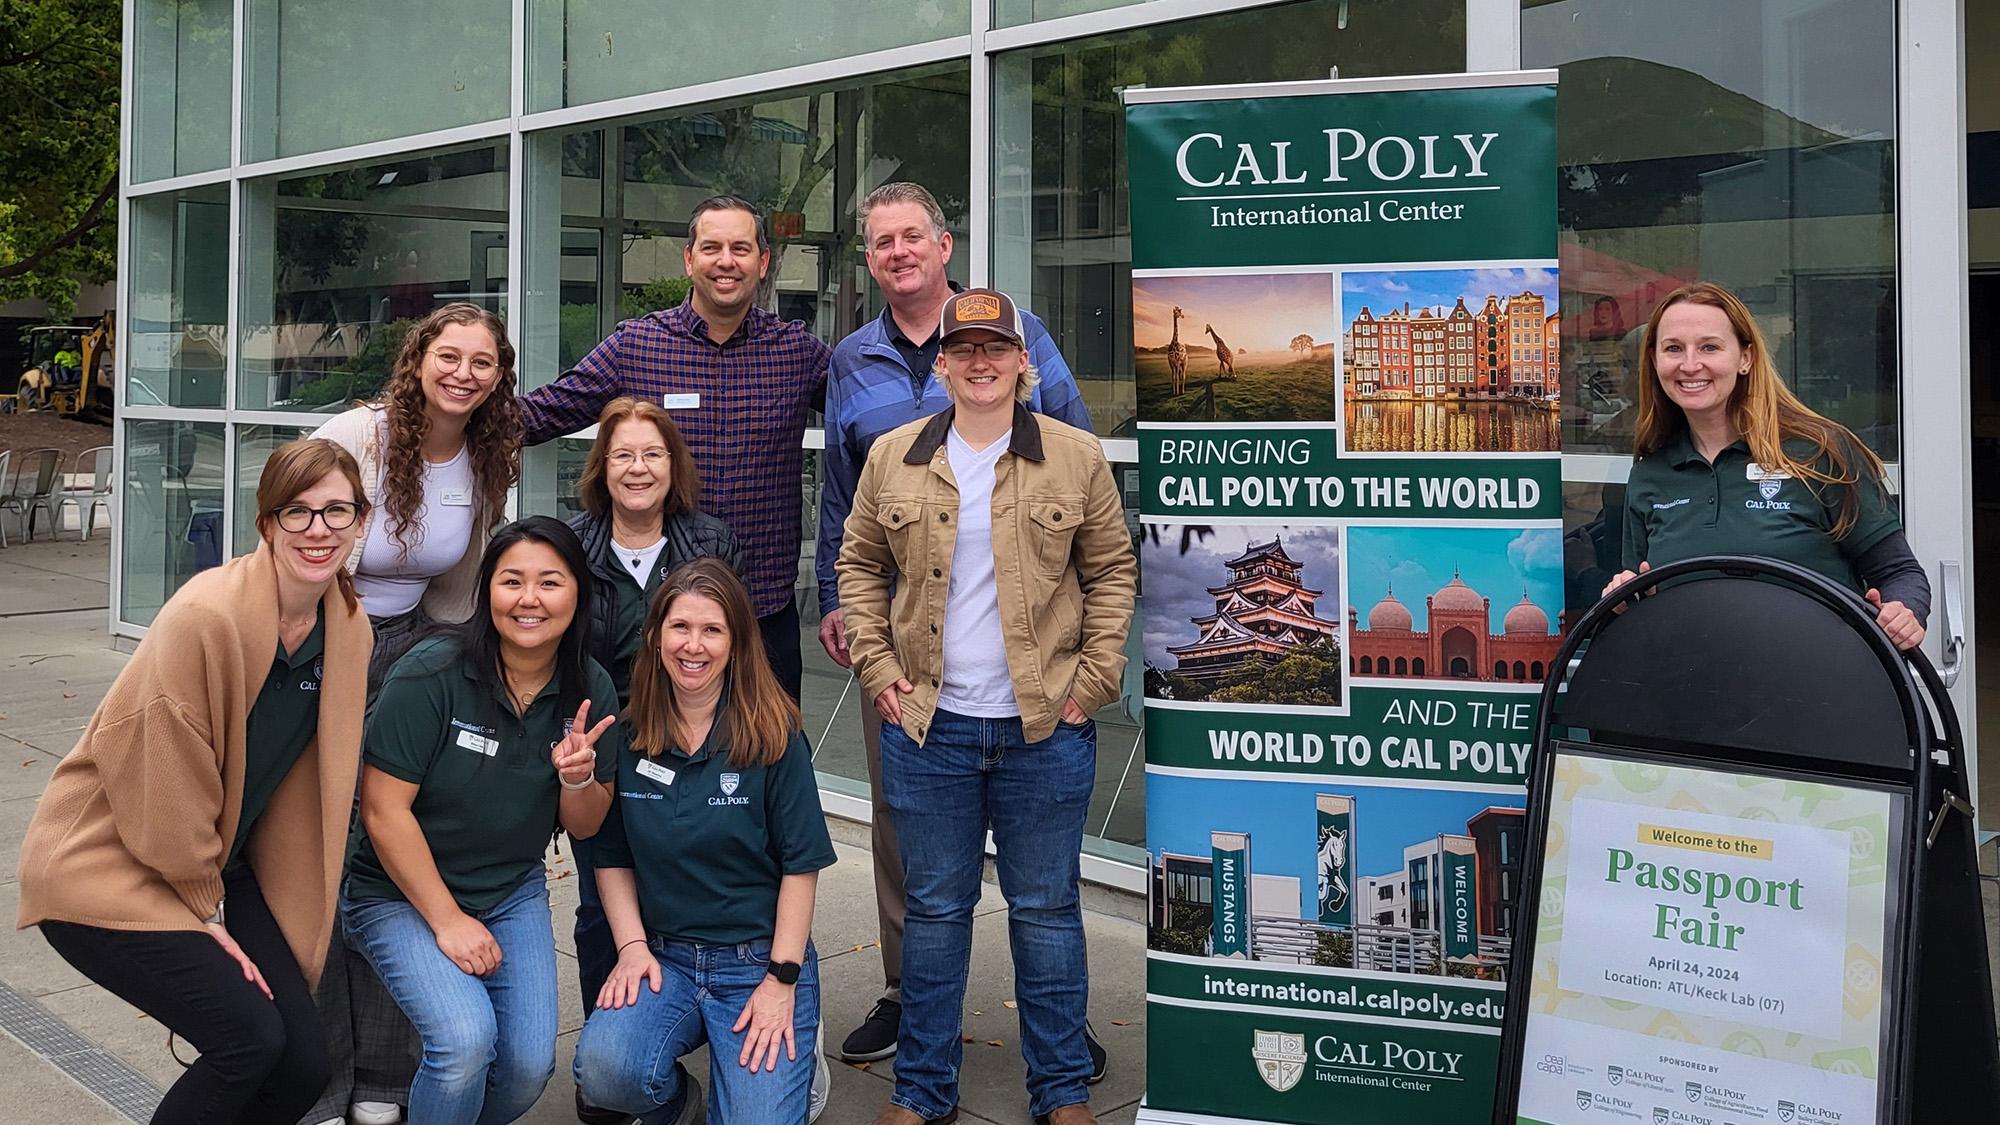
[1769,481]
[319,673]
[729,783]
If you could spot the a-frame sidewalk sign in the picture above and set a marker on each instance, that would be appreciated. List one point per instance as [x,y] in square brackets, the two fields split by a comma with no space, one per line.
[1749,894]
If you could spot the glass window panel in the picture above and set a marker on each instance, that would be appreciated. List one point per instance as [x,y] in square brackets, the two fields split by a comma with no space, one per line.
[1746,143]
[254,446]
[584,51]
[179,286]
[171,508]
[338,264]
[1013,13]
[181,52]
[323,75]
[1061,219]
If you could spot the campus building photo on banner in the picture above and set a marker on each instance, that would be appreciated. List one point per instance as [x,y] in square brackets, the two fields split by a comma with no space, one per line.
[1345,334]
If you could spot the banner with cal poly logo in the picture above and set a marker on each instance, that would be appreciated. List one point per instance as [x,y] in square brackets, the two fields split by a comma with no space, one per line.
[1345,339]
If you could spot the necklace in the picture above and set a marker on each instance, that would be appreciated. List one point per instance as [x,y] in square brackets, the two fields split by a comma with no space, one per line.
[522,695]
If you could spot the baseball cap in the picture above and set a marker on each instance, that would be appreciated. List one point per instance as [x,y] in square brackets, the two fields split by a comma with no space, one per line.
[981,308]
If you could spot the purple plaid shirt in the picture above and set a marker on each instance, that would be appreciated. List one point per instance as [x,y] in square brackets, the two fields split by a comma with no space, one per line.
[755,389]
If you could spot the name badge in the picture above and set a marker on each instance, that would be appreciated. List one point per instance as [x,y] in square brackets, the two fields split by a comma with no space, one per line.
[1754,471]
[479,743]
[655,771]
[455,497]
[681,402]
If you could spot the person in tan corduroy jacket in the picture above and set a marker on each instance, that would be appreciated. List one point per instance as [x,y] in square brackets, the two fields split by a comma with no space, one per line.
[187,853]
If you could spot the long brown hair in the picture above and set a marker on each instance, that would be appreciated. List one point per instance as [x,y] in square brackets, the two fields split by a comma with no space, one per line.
[492,435]
[1762,409]
[761,716]
[296,466]
[683,479]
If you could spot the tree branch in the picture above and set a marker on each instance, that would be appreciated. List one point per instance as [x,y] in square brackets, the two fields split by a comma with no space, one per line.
[91,217]
[36,54]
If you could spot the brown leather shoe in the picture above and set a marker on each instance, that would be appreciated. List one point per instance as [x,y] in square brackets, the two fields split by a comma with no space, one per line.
[1076,1114]
[897,1115]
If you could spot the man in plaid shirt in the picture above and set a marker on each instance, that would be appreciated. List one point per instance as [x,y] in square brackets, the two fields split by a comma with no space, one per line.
[740,383]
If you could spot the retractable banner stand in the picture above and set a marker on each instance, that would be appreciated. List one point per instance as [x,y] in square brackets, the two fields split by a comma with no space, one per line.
[1345,338]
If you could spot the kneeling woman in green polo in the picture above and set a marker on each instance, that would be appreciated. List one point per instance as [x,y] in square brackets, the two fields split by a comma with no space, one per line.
[482,742]
[1729,461]
[707,867]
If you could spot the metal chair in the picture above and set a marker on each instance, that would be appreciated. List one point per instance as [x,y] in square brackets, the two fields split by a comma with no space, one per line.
[33,488]
[87,499]
[7,483]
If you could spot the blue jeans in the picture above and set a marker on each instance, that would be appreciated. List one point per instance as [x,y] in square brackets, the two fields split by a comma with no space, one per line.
[969,774]
[489,1042]
[627,1058]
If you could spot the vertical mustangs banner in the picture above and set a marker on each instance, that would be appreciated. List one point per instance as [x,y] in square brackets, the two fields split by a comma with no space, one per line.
[1345,341]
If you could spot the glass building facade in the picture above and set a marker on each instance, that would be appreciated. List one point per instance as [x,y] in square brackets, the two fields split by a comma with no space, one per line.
[302,179]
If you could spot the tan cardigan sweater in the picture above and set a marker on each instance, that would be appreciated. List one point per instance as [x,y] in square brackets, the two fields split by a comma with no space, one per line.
[450,597]
[136,823]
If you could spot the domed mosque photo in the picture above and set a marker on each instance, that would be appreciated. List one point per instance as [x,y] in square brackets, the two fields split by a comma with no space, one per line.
[1457,642]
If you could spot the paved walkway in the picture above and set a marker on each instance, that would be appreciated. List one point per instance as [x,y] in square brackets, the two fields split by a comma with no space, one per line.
[56,660]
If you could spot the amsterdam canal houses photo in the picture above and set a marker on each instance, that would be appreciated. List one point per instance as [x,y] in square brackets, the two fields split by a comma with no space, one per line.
[1307,873]
[1452,629]
[1259,636]
[1451,361]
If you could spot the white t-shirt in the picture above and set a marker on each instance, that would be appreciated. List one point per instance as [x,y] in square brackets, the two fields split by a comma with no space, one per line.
[636,565]
[391,583]
[976,680]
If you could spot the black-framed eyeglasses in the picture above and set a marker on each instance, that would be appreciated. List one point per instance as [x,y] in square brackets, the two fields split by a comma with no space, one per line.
[991,349]
[338,516]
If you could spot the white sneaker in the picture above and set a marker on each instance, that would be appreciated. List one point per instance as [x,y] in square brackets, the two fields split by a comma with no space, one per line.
[374,1113]
[822,1083]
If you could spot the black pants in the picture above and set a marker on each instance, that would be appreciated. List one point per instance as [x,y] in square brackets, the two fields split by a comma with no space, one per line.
[263,1060]
[781,646]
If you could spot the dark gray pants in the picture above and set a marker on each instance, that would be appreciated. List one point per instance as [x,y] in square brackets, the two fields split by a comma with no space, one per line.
[373,1048]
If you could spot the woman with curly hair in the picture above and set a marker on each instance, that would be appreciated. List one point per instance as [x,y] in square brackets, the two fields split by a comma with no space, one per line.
[438,453]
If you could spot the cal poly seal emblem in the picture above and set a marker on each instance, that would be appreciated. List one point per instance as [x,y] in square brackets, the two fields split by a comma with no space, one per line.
[729,783]
[1615,1073]
[1281,1058]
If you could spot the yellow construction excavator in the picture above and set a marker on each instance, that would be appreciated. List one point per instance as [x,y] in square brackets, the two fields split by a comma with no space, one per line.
[69,369]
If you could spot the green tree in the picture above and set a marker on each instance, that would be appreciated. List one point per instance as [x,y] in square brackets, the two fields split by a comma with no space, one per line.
[59,152]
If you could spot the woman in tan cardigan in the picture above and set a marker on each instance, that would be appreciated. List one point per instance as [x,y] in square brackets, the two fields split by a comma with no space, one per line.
[186,854]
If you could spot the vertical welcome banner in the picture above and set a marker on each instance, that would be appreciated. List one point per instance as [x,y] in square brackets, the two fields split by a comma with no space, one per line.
[1345,335]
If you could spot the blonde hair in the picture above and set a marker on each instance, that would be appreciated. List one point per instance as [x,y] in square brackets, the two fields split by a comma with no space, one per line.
[1762,409]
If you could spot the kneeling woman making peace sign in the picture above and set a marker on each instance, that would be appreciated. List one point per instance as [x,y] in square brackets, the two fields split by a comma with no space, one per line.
[482,742]
[707,868]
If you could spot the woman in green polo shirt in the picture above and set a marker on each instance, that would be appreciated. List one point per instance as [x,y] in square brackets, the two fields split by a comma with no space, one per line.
[481,744]
[707,867]
[1729,461]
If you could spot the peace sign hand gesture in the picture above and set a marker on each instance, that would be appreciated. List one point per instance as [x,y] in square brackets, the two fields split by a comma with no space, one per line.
[574,757]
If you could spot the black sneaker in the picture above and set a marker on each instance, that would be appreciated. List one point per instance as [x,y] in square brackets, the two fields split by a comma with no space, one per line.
[876,1037]
[1100,1060]
[598,1115]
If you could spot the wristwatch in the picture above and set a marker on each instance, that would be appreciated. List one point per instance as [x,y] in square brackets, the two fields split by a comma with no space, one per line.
[787,972]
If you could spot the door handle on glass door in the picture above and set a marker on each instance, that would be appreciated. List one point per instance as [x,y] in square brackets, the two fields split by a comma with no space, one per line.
[1951,593]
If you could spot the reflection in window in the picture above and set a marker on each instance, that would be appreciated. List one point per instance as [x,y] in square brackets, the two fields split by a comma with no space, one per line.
[338,265]
[1061,222]
[317,72]
[179,285]
[171,509]
[180,86]
[1745,142]
[254,446]
[585,51]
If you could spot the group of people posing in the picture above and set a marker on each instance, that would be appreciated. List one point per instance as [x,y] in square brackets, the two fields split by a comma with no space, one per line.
[306,828]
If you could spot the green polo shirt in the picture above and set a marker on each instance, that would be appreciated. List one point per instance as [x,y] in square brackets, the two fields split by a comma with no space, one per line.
[283,719]
[629,625]
[709,841]
[486,789]
[1678,506]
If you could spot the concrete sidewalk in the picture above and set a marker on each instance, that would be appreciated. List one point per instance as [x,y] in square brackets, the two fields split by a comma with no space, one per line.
[67,1037]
